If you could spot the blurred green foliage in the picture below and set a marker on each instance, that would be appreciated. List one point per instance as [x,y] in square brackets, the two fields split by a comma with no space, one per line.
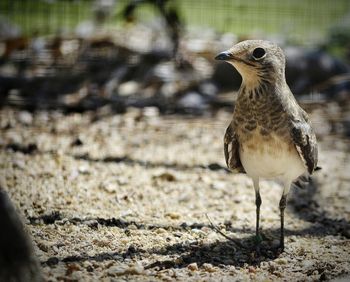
[338,42]
[297,20]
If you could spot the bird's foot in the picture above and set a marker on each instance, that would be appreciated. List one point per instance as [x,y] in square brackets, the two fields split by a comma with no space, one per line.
[258,239]
[281,248]
[257,243]
[277,250]
[264,246]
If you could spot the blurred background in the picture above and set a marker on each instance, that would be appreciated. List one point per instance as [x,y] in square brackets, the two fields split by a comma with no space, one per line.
[79,55]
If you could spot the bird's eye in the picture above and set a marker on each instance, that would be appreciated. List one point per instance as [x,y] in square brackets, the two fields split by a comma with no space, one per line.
[258,53]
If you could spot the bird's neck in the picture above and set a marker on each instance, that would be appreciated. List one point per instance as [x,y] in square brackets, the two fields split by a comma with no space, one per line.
[251,80]
[259,85]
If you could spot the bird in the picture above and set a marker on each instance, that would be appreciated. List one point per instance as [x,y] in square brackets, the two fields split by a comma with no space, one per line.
[270,136]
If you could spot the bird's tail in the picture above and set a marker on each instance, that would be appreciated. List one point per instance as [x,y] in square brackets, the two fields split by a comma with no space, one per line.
[302,181]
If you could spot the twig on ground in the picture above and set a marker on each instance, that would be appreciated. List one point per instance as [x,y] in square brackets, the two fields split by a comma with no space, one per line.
[215,228]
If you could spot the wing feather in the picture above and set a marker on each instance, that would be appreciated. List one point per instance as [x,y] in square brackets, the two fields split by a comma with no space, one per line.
[231,150]
[305,142]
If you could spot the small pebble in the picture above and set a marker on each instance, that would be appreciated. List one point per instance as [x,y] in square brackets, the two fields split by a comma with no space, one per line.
[131,270]
[25,118]
[52,261]
[173,215]
[193,266]
[307,263]
[208,267]
[251,269]
[160,231]
[281,261]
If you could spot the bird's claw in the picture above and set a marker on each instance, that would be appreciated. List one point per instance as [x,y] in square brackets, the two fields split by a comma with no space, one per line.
[258,239]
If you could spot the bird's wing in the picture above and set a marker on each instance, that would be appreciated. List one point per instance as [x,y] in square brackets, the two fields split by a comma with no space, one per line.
[305,142]
[231,150]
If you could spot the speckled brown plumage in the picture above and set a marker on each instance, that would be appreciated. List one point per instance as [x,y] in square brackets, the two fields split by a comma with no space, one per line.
[270,135]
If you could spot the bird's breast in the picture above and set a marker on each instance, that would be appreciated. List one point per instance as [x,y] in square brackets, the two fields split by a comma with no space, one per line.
[271,156]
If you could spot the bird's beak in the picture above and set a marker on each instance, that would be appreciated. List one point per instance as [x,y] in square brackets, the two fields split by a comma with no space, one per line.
[224,56]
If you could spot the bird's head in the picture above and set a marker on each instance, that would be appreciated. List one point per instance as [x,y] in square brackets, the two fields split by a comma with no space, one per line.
[256,60]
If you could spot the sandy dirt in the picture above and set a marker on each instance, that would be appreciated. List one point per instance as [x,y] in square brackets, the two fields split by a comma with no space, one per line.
[124,197]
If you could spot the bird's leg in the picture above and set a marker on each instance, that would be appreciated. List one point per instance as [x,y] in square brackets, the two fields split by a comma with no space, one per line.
[282,206]
[258,204]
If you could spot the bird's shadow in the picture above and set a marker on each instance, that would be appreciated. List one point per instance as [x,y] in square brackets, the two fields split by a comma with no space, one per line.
[306,205]
[180,255]
[219,253]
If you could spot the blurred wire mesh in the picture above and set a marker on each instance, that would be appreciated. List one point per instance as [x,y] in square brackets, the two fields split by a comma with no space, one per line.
[84,54]
[304,21]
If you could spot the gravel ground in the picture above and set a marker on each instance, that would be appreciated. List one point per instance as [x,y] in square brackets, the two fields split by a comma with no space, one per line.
[124,197]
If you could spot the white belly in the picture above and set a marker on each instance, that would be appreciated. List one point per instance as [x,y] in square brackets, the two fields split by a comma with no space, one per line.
[271,159]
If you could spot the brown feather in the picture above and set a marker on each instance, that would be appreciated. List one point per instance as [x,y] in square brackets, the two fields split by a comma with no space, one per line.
[231,150]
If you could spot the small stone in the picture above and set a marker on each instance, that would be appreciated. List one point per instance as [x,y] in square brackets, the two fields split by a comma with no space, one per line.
[135,269]
[43,247]
[101,243]
[193,266]
[166,176]
[172,215]
[307,263]
[178,261]
[264,265]
[278,274]
[109,187]
[55,249]
[77,142]
[219,185]
[128,88]
[281,261]
[208,267]
[92,224]
[86,263]
[132,227]
[206,229]
[116,270]
[25,118]
[301,251]
[18,163]
[83,170]
[52,261]
[150,112]
[130,270]
[251,269]
[160,231]
[198,231]
[72,268]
